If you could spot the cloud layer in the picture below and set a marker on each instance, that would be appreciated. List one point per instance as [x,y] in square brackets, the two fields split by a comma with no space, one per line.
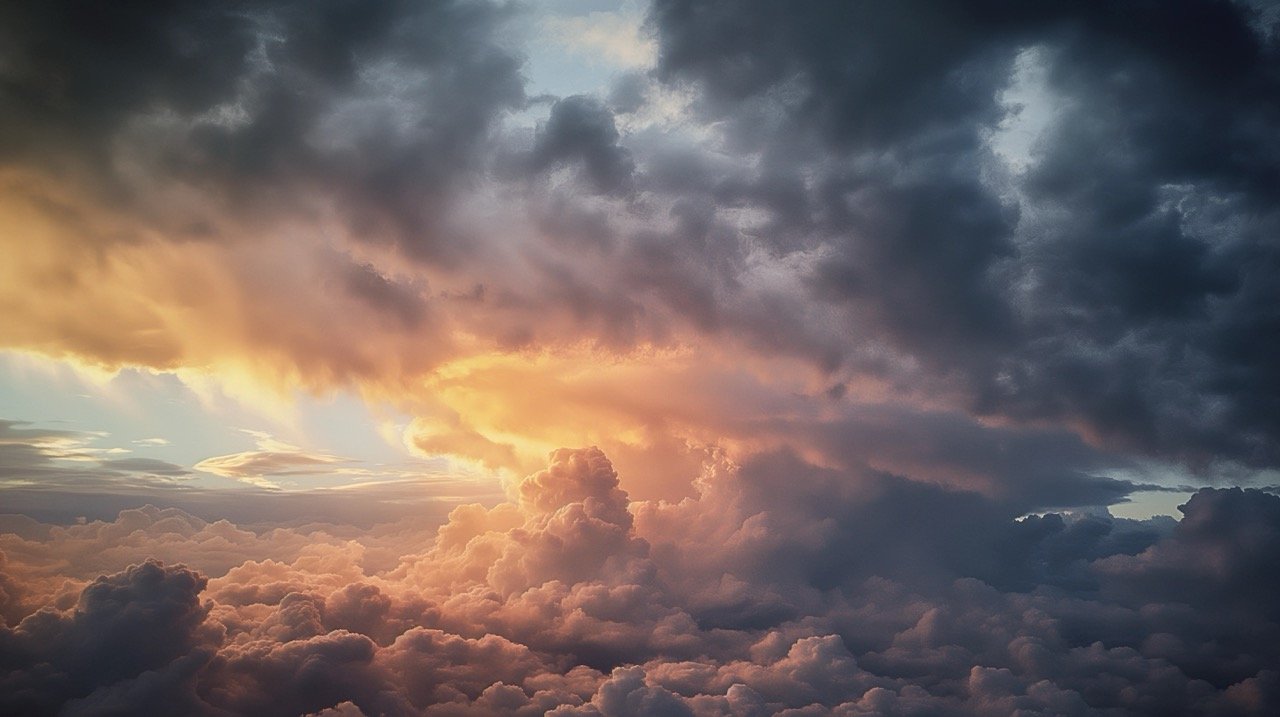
[1053,214]
[779,589]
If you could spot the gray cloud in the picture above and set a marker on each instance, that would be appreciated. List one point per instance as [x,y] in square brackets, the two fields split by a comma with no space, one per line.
[146,465]
[581,130]
[1112,282]
[382,109]
[1117,277]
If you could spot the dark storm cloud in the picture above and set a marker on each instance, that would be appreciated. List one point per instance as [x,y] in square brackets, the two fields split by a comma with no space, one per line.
[1118,278]
[908,530]
[74,72]
[628,93]
[1228,536]
[381,108]
[1024,468]
[581,131]
[396,299]
[138,620]
[1124,279]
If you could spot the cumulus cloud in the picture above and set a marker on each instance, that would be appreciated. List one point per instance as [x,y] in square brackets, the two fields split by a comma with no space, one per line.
[751,598]
[581,130]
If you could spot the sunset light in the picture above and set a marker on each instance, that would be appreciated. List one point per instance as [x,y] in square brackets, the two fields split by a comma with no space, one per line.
[639,357]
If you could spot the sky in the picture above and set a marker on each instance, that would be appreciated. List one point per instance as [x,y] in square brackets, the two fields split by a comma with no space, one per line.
[473,357]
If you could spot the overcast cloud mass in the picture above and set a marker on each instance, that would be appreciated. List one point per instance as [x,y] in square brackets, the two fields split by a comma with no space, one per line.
[671,358]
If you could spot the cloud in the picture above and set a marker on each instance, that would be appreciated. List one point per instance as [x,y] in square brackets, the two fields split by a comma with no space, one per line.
[573,477]
[1091,286]
[820,190]
[137,620]
[158,178]
[252,464]
[146,465]
[779,587]
[273,458]
[581,130]
[870,371]
[276,98]
[39,458]
[59,476]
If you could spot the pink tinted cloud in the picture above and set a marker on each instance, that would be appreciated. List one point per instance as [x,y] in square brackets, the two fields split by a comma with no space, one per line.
[755,597]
